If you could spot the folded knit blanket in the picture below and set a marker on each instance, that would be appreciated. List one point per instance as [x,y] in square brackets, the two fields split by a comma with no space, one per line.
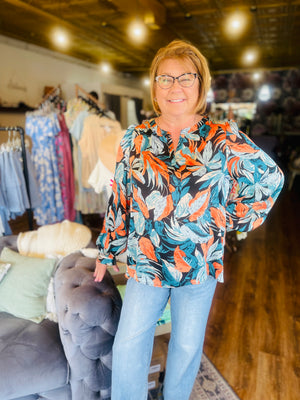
[58,239]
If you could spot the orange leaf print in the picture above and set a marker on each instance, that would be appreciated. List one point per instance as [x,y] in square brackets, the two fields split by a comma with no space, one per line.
[156,281]
[212,131]
[200,211]
[257,223]
[206,246]
[120,230]
[131,272]
[242,148]
[241,210]
[122,199]
[218,217]
[147,248]
[138,143]
[189,160]
[180,264]
[231,163]
[218,268]
[119,154]
[158,166]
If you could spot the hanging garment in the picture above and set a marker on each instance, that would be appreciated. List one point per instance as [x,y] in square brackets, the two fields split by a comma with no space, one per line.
[74,107]
[95,129]
[12,185]
[65,168]
[86,200]
[14,199]
[101,179]
[43,129]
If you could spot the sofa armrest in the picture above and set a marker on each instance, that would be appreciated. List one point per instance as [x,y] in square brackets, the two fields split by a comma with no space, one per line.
[9,241]
[88,315]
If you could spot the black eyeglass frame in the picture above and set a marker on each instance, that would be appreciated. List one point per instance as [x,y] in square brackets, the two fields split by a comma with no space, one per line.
[177,78]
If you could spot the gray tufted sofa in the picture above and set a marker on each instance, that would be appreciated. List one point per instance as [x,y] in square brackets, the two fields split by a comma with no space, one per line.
[70,360]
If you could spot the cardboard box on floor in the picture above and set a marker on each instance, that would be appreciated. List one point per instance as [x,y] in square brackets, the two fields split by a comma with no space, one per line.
[159,355]
[153,380]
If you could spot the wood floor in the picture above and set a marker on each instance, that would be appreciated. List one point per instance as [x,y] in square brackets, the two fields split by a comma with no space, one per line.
[253,334]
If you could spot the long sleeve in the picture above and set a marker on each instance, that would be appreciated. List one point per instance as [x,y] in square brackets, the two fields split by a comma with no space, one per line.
[112,240]
[256,182]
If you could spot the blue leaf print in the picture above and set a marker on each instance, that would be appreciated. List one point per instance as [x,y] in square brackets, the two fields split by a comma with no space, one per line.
[172,274]
[182,208]
[157,202]
[139,223]
[155,239]
[156,145]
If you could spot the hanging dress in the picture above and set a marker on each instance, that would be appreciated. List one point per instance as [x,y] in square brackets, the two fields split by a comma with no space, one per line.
[43,129]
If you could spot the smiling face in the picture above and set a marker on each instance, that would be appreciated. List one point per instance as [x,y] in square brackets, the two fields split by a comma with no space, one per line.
[177,101]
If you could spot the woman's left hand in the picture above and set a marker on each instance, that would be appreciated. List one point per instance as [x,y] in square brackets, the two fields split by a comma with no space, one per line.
[101,269]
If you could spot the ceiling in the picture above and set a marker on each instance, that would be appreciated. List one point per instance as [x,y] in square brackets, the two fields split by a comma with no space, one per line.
[98,30]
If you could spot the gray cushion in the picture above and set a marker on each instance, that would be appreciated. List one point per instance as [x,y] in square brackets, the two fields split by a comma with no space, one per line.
[88,315]
[62,393]
[31,357]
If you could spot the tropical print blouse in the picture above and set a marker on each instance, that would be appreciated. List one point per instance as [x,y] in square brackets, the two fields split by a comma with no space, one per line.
[170,208]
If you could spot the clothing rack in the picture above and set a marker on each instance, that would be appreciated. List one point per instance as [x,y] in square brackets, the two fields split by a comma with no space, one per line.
[51,93]
[25,168]
[53,96]
[91,100]
[89,96]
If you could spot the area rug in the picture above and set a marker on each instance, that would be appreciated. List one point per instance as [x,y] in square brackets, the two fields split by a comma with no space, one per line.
[210,385]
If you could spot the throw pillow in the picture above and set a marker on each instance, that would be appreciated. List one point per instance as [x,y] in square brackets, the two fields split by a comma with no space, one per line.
[23,292]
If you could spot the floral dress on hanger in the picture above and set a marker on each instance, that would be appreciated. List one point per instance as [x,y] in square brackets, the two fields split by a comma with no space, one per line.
[43,129]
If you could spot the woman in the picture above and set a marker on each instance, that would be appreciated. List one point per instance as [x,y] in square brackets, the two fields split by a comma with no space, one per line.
[181,181]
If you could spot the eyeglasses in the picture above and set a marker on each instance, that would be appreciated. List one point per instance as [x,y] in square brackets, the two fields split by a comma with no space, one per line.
[185,80]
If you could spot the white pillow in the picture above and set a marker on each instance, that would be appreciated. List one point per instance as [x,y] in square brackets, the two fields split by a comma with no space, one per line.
[4,267]
[50,305]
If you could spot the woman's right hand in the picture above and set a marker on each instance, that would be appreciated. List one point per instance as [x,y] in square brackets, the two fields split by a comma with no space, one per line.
[101,269]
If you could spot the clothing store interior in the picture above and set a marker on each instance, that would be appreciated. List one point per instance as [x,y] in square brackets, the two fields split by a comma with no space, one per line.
[74,75]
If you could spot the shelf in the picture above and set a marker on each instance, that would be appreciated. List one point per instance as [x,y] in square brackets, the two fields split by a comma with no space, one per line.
[16,110]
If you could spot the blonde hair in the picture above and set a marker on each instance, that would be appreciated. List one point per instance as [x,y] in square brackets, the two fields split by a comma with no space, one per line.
[182,50]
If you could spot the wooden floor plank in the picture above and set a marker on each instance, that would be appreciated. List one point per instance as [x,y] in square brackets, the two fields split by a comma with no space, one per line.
[253,333]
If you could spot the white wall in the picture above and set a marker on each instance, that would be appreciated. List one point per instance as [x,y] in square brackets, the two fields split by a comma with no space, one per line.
[26,69]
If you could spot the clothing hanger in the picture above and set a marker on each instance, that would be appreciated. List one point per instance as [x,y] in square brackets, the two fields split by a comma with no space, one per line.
[94,103]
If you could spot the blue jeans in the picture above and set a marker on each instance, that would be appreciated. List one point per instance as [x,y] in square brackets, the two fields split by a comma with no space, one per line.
[142,307]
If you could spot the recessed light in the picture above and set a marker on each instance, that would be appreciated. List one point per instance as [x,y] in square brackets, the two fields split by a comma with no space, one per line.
[236,24]
[137,31]
[60,38]
[250,57]
[105,67]
[256,76]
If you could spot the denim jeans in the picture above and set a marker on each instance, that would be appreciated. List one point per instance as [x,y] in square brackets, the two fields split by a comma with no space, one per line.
[142,307]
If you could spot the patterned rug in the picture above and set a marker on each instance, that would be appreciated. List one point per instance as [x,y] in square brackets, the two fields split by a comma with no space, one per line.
[209,385]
